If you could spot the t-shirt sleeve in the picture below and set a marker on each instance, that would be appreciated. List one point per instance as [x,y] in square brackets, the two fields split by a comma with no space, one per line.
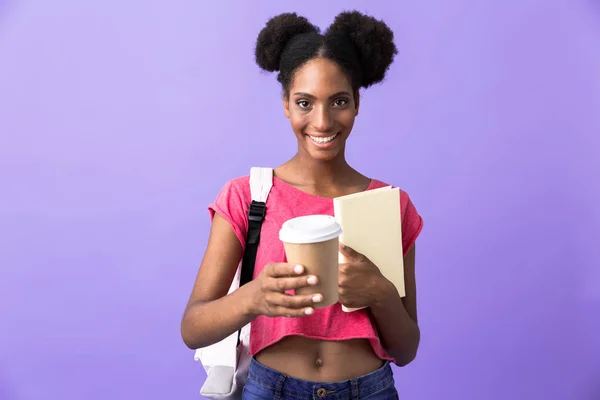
[231,204]
[412,222]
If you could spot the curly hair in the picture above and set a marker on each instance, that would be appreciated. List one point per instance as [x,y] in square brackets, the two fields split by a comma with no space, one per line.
[361,45]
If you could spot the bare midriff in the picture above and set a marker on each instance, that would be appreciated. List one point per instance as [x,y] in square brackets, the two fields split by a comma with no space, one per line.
[320,361]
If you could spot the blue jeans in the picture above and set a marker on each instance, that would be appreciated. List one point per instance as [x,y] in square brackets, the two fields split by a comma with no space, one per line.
[267,384]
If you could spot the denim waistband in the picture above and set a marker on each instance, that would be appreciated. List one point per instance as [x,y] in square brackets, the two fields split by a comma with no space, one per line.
[354,388]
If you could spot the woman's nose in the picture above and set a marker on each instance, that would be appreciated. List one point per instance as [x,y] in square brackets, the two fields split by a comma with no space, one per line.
[322,120]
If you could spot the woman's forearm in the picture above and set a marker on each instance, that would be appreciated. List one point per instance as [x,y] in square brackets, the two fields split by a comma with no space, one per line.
[206,323]
[399,334]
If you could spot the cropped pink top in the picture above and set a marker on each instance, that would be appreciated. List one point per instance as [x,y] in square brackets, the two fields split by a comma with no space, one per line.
[286,202]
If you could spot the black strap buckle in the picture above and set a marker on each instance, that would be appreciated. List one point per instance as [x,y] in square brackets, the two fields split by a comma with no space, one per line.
[257,211]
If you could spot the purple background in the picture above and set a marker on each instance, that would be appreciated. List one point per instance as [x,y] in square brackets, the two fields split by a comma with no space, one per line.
[117,121]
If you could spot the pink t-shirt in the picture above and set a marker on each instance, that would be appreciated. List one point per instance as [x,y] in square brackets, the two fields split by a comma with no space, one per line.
[286,202]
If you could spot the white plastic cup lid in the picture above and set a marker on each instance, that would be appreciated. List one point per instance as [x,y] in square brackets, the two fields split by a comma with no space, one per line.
[310,229]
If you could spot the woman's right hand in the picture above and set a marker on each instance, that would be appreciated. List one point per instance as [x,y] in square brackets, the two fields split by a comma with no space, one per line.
[269,287]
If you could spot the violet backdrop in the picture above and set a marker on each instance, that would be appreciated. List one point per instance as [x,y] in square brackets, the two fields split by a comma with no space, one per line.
[121,120]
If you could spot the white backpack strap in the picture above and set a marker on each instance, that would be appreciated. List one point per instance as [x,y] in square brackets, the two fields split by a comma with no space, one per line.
[261,182]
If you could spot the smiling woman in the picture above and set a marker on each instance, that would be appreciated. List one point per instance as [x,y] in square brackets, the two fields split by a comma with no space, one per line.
[323,100]
[299,350]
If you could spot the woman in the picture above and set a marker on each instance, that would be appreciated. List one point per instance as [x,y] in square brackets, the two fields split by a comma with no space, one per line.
[299,351]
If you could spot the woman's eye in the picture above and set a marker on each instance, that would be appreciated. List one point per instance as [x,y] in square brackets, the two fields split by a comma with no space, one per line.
[303,103]
[341,102]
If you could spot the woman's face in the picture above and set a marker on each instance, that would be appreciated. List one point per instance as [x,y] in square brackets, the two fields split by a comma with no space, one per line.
[321,108]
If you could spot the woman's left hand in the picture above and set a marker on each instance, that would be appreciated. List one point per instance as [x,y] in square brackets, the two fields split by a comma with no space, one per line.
[360,281]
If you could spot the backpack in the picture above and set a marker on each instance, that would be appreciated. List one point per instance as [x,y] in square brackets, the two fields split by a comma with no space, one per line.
[226,362]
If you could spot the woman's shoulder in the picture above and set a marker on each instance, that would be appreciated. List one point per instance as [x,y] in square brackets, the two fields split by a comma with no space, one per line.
[236,190]
[412,222]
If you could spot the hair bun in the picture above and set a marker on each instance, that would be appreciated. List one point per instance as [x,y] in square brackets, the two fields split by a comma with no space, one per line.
[373,39]
[273,38]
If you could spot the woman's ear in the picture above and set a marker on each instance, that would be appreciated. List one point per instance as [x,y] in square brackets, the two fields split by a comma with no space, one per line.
[286,106]
[356,102]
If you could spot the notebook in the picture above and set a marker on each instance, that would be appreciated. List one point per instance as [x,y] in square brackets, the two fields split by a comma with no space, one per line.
[372,226]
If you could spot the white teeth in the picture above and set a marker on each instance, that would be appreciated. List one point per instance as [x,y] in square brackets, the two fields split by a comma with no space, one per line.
[323,140]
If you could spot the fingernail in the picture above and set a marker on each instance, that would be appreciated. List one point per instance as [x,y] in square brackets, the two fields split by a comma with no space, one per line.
[342,245]
[298,269]
[312,280]
[317,298]
[309,311]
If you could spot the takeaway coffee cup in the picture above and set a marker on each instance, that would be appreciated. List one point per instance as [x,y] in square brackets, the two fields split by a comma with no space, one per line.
[312,241]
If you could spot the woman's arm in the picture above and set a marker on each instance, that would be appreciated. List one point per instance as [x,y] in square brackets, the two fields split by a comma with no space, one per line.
[396,317]
[211,315]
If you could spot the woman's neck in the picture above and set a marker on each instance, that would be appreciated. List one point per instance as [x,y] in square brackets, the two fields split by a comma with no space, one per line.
[305,170]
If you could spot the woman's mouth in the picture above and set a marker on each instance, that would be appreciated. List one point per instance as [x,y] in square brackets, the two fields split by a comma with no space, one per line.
[323,140]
